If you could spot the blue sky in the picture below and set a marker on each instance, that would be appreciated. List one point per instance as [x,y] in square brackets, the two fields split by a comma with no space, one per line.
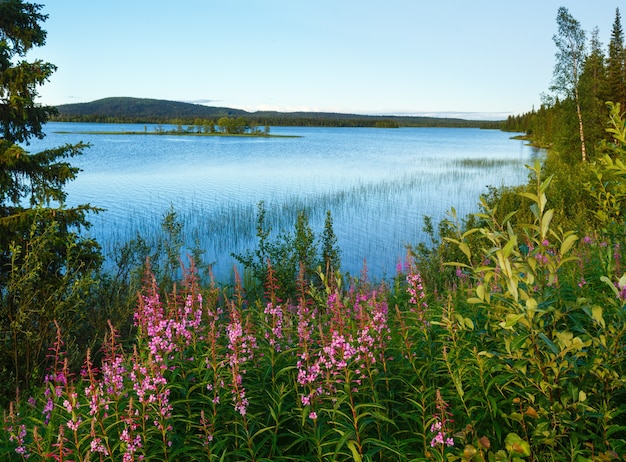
[475,59]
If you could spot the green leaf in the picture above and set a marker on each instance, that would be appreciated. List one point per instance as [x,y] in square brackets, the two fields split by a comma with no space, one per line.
[518,342]
[508,248]
[531,196]
[596,315]
[610,284]
[549,343]
[567,243]
[545,222]
[355,452]
[510,321]
[466,250]
[480,291]
[516,446]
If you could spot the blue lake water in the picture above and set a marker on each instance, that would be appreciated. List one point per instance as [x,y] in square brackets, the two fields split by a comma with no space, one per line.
[378,184]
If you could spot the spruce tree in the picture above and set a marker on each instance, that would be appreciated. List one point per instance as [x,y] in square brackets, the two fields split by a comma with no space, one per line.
[616,68]
[594,93]
[615,65]
[45,265]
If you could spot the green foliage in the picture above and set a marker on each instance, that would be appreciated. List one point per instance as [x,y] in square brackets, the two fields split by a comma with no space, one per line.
[518,356]
[501,340]
[49,279]
[608,188]
[331,255]
[571,121]
[290,256]
[20,28]
[233,125]
[46,268]
[547,346]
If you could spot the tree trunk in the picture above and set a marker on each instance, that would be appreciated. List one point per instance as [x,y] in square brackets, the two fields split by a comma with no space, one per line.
[580,128]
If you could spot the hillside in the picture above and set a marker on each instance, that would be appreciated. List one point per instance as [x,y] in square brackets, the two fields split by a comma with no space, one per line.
[143,110]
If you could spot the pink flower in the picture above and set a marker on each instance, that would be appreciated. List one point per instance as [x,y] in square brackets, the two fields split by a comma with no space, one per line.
[74,424]
[97,446]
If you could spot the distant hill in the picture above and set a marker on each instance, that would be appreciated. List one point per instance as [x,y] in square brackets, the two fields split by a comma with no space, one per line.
[145,110]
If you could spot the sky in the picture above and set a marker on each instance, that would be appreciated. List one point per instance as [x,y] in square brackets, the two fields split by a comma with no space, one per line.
[474,59]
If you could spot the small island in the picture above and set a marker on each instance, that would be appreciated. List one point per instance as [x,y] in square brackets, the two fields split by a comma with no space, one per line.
[226,126]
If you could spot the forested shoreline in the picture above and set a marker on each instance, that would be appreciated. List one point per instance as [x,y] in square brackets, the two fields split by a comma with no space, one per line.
[142,111]
[502,338]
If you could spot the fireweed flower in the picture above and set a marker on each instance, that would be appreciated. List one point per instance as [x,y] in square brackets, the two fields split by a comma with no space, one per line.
[207,429]
[337,311]
[241,346]
[113,372]
[351,342]
[74,424]
[17,432]
[440,427]
[56,380]
[274,319]
[93,390]
[128,436]
[418,295]
[97,446]
[167,332]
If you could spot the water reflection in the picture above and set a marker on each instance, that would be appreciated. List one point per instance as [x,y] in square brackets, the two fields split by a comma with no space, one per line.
[377,183]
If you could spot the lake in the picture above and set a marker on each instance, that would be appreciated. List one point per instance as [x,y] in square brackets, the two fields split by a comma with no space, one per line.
[378,184]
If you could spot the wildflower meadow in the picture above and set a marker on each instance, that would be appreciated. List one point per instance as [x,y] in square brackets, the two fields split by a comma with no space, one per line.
[522,359]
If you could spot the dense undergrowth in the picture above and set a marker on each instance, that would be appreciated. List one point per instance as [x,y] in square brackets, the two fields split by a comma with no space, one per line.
[519,355]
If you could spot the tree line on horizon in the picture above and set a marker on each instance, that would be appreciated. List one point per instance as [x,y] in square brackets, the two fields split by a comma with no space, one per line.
[137,110]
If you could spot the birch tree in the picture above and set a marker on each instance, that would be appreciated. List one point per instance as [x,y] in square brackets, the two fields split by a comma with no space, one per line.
[570,59]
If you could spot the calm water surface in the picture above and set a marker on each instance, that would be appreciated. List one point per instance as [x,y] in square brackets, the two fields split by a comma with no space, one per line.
[378,184]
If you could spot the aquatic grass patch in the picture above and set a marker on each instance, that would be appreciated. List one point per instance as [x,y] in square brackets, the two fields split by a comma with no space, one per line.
[374,219]
[485,163]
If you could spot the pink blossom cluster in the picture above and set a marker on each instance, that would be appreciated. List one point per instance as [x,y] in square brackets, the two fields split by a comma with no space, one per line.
[166,332]
[440,437]
[274,317]
[417,295]
[441,423]
[129,435]
[241,346]
[18,436]
[113,371]
[338,356]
